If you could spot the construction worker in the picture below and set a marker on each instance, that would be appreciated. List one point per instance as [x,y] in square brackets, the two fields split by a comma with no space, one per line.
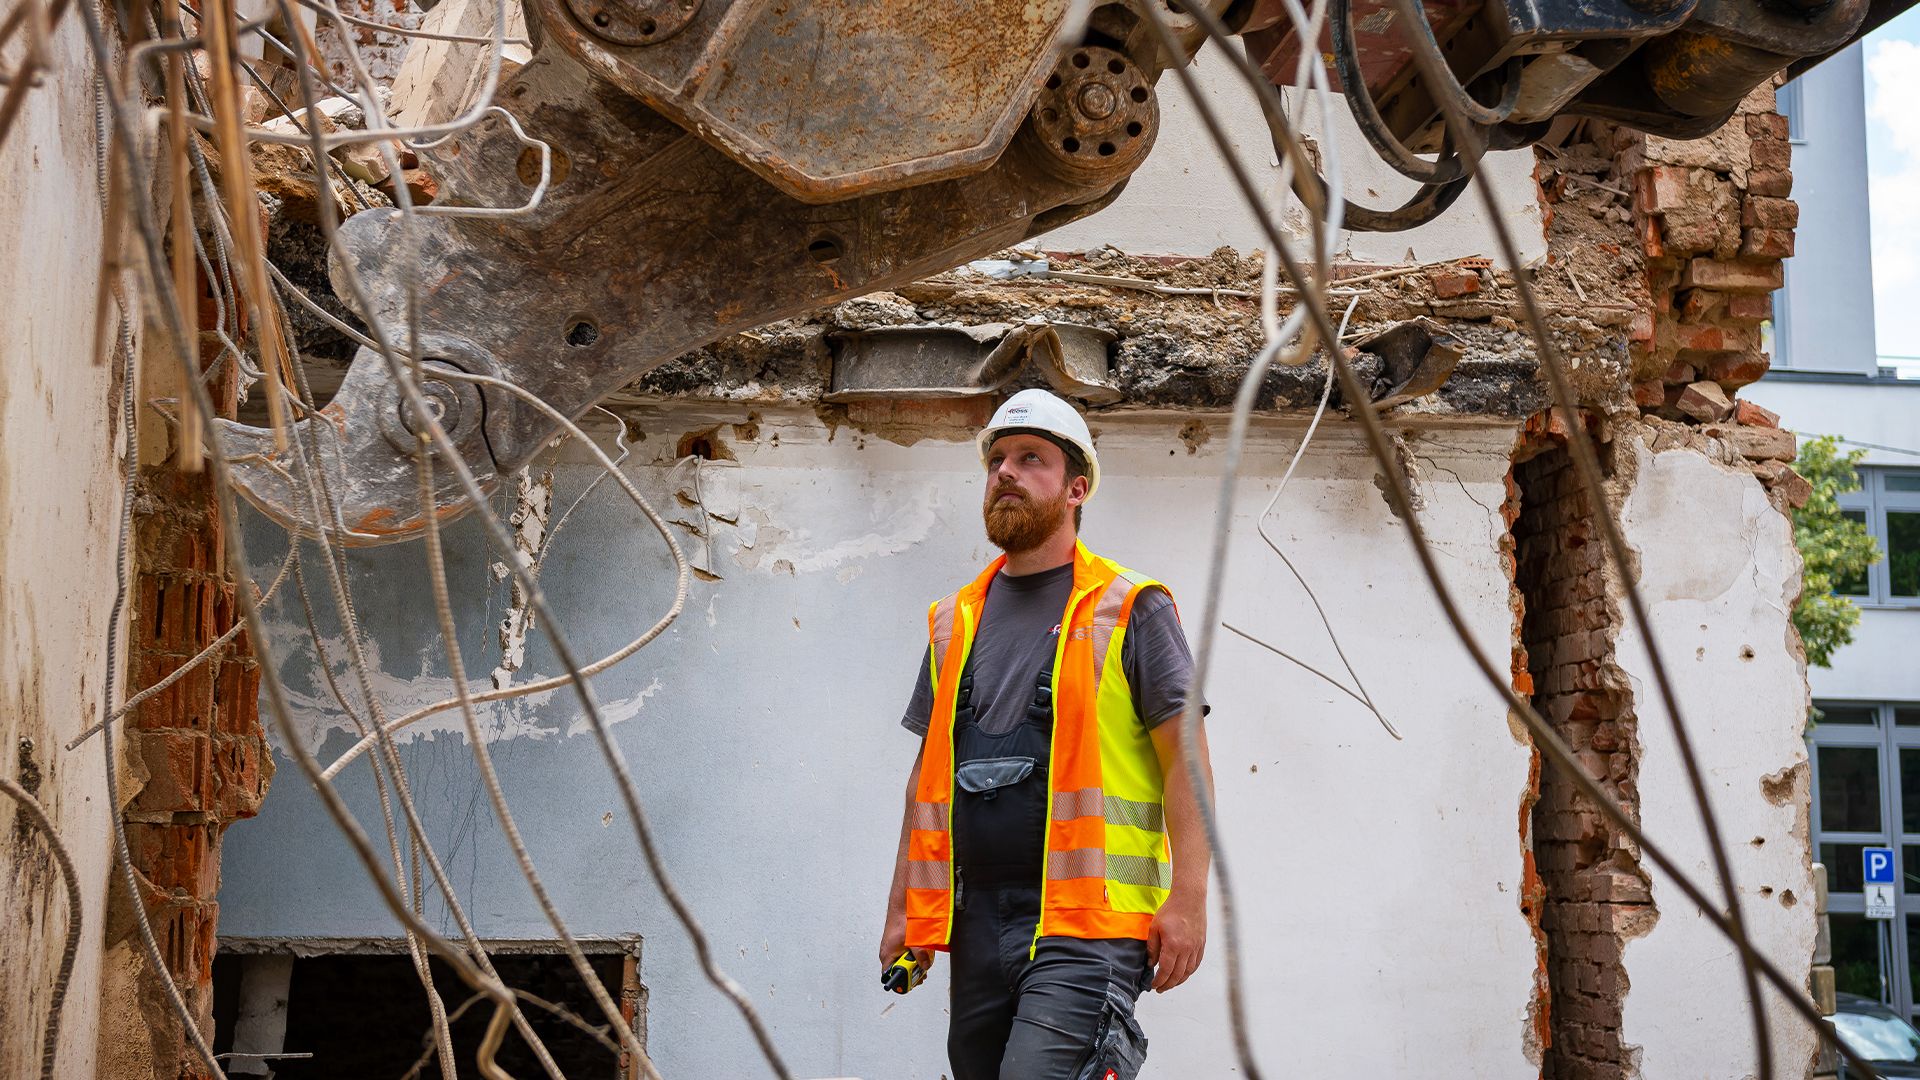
[1048,800]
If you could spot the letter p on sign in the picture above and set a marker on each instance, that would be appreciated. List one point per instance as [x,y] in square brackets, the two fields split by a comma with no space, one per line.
[1877,865]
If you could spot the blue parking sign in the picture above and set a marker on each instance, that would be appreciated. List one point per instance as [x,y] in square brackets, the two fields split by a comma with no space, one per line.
[1877,865]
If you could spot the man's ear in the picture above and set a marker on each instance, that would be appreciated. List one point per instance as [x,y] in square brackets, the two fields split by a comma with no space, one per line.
[1077,491]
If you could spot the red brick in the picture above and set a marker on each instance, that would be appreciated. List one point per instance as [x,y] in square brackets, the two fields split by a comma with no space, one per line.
[1767,244]
[1750,307]
[1701,339]
[1694,304]
[175,857]
[1618,887]
[177,771]
[1780,478]
[186,934]
[1679,373]
[1757,443]
[237,698]
[1651,242]
[1746,412]
[1732,276]
[1769,212]
[1768,155]
[166,710]
[421,185]
[1767,126]
[1642,329]
[238,784]
[1451,283]
[1666,188]
[1774,182]
[1650,394]
[1738,370]
[1602,949]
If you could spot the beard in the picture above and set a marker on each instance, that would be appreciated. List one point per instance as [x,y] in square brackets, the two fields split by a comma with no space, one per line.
[1023,523]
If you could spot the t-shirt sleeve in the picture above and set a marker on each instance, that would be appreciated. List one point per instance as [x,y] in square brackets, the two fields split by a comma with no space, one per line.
[920,706]
[1155,656]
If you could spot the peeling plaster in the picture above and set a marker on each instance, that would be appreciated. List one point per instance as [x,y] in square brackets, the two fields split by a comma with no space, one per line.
[315,715]
[913,518]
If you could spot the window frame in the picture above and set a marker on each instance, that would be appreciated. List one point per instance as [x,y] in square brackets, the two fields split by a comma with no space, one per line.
[1875,500]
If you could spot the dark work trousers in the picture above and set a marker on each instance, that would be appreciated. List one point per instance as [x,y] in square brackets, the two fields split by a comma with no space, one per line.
[1065,1014]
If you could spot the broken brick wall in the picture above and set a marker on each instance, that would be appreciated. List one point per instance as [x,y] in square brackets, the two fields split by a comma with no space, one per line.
[195,751]
[1694,232]
[1690,235]
[1596,895]
[1714,222]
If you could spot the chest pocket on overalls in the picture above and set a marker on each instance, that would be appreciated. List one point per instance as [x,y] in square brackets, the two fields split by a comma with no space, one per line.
[987,776]
[1000,807]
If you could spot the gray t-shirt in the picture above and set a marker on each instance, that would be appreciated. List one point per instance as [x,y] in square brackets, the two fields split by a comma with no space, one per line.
[1017,634]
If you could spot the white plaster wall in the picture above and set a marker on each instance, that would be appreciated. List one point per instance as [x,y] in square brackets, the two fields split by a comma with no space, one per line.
[1183,201]
[1378,880]
[1717,571]
[1878,665]
[58,501]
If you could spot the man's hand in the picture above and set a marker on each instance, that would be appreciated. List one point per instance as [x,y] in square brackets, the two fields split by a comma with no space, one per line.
[1176,941]
[893,942]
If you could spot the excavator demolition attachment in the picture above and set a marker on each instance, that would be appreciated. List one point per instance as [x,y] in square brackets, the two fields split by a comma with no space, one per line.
[720,164]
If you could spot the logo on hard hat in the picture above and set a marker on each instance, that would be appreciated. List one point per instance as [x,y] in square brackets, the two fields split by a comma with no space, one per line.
[1017,414]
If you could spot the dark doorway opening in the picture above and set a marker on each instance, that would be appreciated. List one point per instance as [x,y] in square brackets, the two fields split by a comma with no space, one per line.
[365,1014]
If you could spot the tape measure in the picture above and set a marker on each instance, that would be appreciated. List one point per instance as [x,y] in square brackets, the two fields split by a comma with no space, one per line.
[905,974]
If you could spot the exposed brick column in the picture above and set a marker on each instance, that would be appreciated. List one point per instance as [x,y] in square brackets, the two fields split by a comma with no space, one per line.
[195,752]
[1596,895]
[1713,221]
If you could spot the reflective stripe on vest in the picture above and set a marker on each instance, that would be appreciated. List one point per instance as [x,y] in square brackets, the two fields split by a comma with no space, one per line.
[1108,864]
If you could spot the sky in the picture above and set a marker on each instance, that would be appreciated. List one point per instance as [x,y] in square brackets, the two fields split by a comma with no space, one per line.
[1893,179]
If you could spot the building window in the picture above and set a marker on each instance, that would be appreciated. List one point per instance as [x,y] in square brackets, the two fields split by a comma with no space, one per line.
[1866,793]
[1888,503]
[1791,105]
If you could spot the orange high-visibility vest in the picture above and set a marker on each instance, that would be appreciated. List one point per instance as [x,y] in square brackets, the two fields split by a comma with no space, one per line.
[1109,865]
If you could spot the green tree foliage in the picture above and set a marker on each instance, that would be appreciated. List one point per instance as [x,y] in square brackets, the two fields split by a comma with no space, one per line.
[1836,549]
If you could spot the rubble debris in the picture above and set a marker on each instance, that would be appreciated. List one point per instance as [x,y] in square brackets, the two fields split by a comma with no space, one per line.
[1704,401]
[440,80]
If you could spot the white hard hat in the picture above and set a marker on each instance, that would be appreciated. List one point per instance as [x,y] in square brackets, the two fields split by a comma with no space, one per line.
[1041,413]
